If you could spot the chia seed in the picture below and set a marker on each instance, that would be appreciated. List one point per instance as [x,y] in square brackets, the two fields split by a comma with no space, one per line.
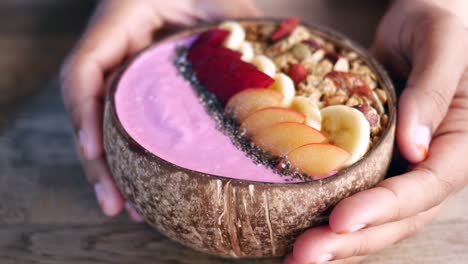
[227,125]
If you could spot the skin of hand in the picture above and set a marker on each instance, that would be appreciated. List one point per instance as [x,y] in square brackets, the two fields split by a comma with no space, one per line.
[426,43]
[118,30]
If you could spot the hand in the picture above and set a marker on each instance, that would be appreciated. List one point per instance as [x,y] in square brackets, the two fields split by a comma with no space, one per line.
[117,30]
[427,44]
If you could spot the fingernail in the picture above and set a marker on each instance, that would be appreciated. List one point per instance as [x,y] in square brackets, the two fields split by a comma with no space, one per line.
[323,258]
[134,215]
[82,143]
[100,194]
[423,138]
[352,229]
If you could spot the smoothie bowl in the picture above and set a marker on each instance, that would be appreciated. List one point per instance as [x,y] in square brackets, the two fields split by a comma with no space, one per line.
[234,138]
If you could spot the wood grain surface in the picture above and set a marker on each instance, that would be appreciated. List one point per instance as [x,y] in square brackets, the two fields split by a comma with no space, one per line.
[48,213]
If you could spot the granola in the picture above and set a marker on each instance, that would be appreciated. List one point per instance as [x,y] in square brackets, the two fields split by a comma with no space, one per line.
[320,57]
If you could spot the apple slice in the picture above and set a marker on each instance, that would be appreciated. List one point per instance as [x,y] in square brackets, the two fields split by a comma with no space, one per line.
[318,160]
[270,116]
[285,28]
[248,101]
[281,138]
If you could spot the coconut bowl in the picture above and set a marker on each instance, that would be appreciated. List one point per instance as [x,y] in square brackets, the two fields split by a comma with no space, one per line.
[229,217]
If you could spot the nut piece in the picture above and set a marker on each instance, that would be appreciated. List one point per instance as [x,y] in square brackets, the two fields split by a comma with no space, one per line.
[384,120]
[352,101]
[323,68]
[336,100]
[371,115]
[265,31]
[285,60]
[301,51]
[381,94]
[351,55]
[342,65]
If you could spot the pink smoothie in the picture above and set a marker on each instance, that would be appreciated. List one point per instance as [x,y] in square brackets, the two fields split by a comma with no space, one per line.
[159,109]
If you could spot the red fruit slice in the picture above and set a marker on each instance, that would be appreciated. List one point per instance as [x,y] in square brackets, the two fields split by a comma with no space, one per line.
[350,83]
[214,37]
[202,55]
[285,28]
[313,44]
[204,58]
[226,77]
[298,73]
[333,57]
[221,70]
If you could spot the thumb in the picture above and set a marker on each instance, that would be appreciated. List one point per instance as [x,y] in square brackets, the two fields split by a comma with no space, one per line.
[230,9]
[437,67]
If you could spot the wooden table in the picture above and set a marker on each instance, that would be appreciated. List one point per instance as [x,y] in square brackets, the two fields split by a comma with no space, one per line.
[48,213]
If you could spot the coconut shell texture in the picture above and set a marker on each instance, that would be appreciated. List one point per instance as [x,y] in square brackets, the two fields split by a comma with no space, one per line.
[234,218]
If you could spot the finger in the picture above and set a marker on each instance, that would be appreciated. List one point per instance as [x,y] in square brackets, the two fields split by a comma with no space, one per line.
[242,8]
[437,67]
[397,64]
[228,9]
[427,185]
[133,214]
[352,260]
[323,244]
[104,45]
[107,194]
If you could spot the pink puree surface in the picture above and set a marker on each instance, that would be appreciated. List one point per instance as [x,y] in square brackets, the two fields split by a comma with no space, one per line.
[159,109]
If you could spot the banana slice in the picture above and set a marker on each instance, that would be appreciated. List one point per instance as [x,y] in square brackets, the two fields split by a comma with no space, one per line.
[247,51]
[311,111]
[285,85]
[265,65]
[236,36]
[348,128]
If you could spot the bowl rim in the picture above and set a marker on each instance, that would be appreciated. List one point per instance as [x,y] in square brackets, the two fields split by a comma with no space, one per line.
[333,36]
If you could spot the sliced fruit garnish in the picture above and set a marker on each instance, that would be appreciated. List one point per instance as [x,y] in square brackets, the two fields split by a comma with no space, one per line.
[213,37]
[270,116]
[308,108]
[281,138]
[202,58]
[223,72]
[312,43]
[236,34]
[318,160]
[285,85]
[247,51]
[235,76]
[350,83]
[265,65]
[248,101]
[286,27]
[332,56]
[347,128]
[298,73]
